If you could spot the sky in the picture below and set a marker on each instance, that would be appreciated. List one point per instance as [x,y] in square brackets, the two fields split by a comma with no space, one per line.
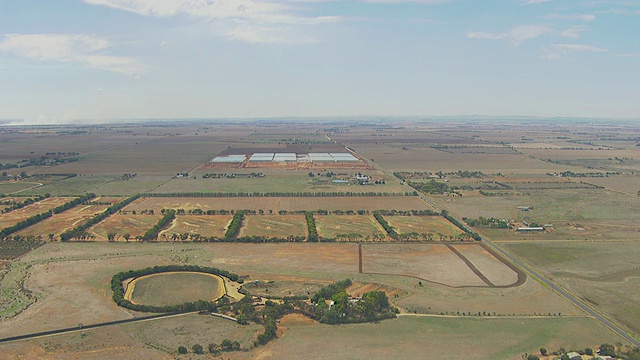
[74,61]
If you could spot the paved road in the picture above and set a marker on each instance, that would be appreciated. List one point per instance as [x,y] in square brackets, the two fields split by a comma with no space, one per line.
[564,293]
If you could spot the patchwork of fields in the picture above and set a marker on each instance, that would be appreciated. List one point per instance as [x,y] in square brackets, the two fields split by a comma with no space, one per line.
[461,298]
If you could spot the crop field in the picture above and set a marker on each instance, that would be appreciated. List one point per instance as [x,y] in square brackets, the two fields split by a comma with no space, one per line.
[39,207]
[14,187]
[280,226]
[436,225]
[59,223]
[349,227]
[121,224]
[165,289]
[276,204]
[205,225]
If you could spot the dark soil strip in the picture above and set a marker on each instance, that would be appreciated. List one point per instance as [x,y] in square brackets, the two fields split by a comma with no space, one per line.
[83,327]
[471,266]
[360,258]
[522,276]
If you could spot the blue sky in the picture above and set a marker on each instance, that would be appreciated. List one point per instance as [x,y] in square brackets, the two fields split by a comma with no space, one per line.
[77,60]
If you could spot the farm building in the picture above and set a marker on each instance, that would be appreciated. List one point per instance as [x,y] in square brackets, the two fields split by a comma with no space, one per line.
[530,229]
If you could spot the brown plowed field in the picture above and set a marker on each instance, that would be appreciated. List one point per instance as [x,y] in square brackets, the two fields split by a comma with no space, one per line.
[205,225]
[15,216]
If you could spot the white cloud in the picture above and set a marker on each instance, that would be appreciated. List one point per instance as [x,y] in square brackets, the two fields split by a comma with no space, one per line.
[516,35]
[580,47]
[83,49]
[245,20]
[573,32]
[561,51]
[533,2]
[581,17]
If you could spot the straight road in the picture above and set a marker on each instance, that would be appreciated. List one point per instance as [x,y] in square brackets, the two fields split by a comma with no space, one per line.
[564,293]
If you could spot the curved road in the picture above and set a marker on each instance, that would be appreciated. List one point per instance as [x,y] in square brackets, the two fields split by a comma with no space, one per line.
[564,293]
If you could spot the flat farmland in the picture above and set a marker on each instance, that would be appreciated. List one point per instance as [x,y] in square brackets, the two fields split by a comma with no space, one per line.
[417,157]
[629,184]
[280,203]
[121,224]
[205,225]
[26,212]
[344,226]
[59,223]
[280,226]
[8,187]
[426,338]
[436,225]
[491,267]
[430,262]
[606,275]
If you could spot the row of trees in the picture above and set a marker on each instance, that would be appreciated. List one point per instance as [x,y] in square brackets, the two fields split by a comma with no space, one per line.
[81,200]
[118,288]
[42,216]
[281,194]
[234,227]
[385,225]
[311,226]
[152,234]
[487,222]
[79,231]
[13,205]
[461,226]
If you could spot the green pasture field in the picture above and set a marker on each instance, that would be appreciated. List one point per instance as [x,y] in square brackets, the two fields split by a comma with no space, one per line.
[8,187]
[176,288]
[605,275]
[436,225]
[341,227]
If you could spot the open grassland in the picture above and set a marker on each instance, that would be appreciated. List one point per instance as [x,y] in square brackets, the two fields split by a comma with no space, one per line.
[75,278]
[276,204]
[605,275]
[26,212]
[421,338]
[100,184]
[436,225]
[121,224]
[575,213]
[8,187]
[174,288]
[349,227]
[59,223]
[280,226]
[205,225]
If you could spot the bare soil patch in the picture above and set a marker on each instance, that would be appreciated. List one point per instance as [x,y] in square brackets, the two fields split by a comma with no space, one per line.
[280,226]
[429,262]
[436,225]
[205,225]
[172,288]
